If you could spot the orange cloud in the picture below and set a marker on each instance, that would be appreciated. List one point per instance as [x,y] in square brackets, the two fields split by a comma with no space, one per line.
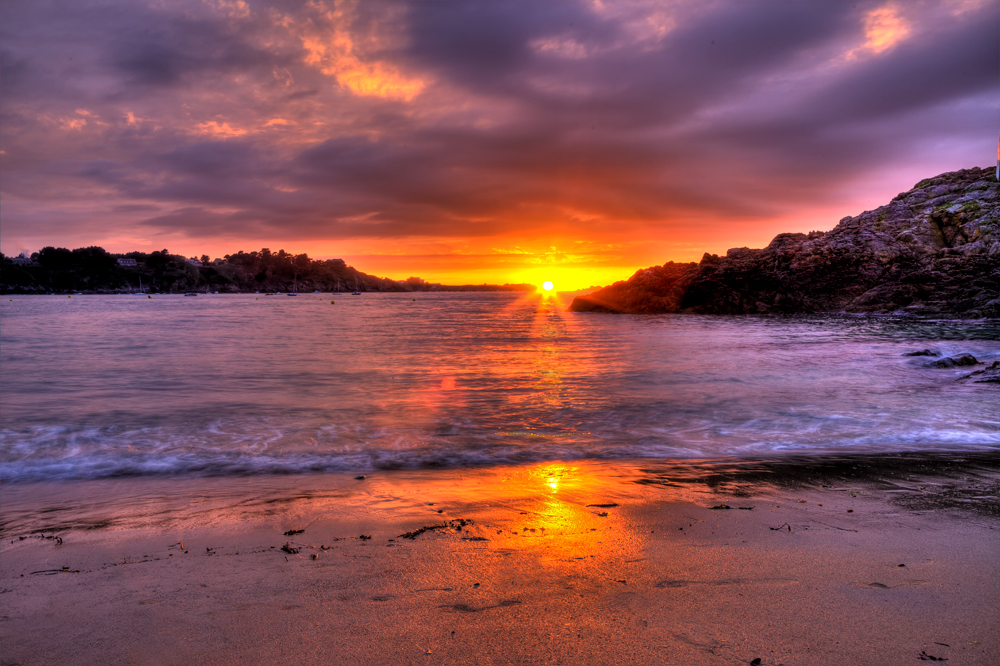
[334,50]
[221,130]
[884,28]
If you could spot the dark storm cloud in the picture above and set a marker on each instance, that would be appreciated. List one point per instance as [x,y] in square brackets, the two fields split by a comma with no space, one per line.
[528,117]
[166,53]
[712,56]
[947,63]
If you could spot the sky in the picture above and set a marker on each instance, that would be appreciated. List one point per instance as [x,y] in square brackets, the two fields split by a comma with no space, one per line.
[468,142]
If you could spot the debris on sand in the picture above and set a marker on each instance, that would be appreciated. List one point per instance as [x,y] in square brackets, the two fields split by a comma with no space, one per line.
[456,524]
[290,549]
[720,506]
[420,530]
[923,656]
[603,506]
[52,572]
[291,532]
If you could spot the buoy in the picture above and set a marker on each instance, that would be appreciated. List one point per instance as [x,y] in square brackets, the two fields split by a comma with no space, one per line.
[332,302]
[414,299]
[69,297]
[148,296]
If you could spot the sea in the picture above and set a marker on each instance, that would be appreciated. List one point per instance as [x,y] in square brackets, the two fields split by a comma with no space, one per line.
[111,386]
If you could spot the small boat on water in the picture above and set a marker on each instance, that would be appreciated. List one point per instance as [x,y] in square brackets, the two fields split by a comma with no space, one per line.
[191,293]
[140,292]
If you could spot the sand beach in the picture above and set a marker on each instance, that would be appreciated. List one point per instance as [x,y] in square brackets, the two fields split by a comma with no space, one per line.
[887,559]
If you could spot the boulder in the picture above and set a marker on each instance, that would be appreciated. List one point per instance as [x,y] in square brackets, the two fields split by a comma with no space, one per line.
[953,361]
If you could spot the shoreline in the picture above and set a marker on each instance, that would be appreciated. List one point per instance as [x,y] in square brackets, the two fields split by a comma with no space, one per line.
[572,562]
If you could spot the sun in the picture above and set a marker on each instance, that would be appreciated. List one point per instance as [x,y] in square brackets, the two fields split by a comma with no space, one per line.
[547,285]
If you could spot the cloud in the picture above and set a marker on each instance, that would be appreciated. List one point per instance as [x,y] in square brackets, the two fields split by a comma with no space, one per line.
[497,125]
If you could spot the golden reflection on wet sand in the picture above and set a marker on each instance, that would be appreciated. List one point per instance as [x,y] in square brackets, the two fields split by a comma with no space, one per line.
[562,562]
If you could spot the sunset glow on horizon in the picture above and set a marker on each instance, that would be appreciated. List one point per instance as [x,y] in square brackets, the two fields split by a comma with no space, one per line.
[471,143]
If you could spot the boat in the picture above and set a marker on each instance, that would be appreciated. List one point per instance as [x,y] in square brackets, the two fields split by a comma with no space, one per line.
[355,292]
[191,293]
[337,291]
[140,292]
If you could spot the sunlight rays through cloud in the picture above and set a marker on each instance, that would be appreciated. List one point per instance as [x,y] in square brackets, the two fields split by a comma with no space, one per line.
[472,142]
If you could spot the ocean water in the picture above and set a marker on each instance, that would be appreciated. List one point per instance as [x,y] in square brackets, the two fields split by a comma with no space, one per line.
[226,385]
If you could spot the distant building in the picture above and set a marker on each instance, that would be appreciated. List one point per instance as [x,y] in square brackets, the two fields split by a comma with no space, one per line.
[22,260]
[339,262]
[127,261]
[194,262]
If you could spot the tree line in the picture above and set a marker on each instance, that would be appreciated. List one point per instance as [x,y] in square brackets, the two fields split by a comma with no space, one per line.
[93,269]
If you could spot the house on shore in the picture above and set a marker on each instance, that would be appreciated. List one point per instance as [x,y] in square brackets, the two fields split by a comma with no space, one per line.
[128,262]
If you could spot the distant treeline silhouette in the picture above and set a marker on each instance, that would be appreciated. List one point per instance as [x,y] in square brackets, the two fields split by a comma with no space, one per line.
[93,269]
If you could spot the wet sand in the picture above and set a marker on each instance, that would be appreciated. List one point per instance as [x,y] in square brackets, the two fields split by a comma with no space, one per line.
[835,560]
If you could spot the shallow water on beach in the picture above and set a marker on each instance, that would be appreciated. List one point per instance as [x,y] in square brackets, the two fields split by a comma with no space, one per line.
[108,386]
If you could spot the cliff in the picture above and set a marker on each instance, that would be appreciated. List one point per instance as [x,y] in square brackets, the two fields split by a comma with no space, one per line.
[934,250]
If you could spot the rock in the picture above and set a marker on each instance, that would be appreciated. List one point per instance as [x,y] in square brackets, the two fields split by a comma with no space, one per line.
[989,374]
[933,250]
[922,352]
[952,361]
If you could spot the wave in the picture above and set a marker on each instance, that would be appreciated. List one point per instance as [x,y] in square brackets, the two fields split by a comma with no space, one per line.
[67,453]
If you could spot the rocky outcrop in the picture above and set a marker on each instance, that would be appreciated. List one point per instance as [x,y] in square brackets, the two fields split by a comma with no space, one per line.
[988,375]
[934,250]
